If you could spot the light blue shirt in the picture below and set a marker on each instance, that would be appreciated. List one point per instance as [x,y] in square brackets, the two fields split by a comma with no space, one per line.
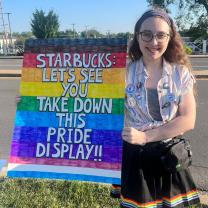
[176,81]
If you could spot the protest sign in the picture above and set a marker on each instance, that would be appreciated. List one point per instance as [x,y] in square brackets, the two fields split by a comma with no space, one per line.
[69,121]
[2,163]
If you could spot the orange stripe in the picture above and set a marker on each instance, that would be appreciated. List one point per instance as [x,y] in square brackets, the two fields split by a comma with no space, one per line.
[108,76]
[114,187]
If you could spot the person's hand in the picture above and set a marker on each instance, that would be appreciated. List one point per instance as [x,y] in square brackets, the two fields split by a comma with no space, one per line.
[133,136]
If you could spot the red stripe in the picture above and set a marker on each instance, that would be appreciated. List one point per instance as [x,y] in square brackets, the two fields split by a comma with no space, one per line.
[64,162]
[118,58]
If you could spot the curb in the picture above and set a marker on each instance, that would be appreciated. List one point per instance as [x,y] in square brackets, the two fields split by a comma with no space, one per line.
[201,76]
[198,56]
[10,75]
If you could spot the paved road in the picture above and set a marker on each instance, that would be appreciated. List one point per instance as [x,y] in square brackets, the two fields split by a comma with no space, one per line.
[10,64]
[198,63]
[199,137]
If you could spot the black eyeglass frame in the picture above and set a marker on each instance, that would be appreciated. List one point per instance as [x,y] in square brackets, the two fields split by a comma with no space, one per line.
[154,36]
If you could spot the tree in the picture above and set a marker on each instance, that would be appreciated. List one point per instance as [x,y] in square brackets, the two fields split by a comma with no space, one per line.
[161,3]
[192,15]
[68,34]
[21,37]
[127,35]
[45,26]
[91,33]
[199,30]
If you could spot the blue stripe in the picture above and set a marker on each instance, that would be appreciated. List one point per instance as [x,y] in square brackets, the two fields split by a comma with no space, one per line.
[76,42]
[65,176]
[49,119]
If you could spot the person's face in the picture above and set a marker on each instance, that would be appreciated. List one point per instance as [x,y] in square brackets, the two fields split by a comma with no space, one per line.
[153,38]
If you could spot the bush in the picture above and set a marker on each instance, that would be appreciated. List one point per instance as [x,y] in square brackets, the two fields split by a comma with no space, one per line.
[188,49]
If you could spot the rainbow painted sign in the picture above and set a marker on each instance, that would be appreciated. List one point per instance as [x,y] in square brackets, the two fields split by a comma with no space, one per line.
[69,121]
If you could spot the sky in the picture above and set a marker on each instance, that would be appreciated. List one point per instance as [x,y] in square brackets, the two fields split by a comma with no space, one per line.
[103,15]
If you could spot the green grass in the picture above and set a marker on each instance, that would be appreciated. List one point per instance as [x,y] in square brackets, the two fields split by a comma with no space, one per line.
[34,193]
[31,193]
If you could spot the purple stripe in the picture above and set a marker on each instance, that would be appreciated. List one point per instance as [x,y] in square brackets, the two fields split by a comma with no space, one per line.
[109,154]
[25,141]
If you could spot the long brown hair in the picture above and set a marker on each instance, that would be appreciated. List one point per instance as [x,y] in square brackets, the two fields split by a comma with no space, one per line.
[175,52]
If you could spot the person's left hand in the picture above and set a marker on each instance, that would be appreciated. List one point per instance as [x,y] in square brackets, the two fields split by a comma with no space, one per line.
[133,136]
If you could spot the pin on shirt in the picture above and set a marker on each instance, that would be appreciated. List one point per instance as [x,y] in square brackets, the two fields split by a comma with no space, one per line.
[138,96]
[139,85]
[172,97]
[131,102]
[130,89]
[166,86]
[166,105]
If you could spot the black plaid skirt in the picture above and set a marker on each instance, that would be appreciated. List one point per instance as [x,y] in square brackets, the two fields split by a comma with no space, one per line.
[145,183]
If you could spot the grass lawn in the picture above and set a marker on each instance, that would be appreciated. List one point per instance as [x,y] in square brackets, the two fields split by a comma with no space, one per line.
[32,193]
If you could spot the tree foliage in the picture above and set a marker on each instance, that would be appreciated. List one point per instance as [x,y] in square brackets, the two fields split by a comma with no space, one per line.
[68,34]
[161,3]
[21,37]
[91,33]
[192,16]
[45,26]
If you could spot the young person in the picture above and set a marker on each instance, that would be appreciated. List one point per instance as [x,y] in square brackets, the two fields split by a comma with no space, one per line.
[159,106]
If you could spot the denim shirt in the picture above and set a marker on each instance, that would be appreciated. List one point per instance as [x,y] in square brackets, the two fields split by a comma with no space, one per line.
[176,81]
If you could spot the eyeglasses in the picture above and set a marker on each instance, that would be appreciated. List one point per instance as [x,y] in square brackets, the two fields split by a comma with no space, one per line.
[147,36]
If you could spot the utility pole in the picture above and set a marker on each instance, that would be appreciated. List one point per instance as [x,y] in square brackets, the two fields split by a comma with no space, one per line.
[5,43]
[108,33]
[73,30]
[86,31]
[10,31]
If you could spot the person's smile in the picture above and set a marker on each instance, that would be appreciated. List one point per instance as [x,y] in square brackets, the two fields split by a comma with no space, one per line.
[153,50]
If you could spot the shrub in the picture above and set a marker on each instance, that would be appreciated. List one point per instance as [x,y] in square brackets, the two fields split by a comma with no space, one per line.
[188,49]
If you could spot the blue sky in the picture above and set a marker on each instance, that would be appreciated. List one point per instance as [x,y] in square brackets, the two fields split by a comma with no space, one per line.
[102,15]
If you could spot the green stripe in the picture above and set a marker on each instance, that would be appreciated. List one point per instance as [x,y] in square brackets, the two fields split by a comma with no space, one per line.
[31,103]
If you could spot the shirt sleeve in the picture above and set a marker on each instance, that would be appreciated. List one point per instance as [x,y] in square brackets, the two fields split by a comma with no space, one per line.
[187,81]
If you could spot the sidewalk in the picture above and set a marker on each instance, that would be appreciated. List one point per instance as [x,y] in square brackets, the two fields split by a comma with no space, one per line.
[204,199]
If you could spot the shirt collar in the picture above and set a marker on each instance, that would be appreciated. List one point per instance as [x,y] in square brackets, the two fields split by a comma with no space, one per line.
[167,68]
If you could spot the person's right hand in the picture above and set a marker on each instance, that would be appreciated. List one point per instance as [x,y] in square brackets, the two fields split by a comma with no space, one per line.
[133,136]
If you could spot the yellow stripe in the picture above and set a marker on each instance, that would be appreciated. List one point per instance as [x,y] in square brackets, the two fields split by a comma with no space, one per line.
[109,76]
[56,90]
